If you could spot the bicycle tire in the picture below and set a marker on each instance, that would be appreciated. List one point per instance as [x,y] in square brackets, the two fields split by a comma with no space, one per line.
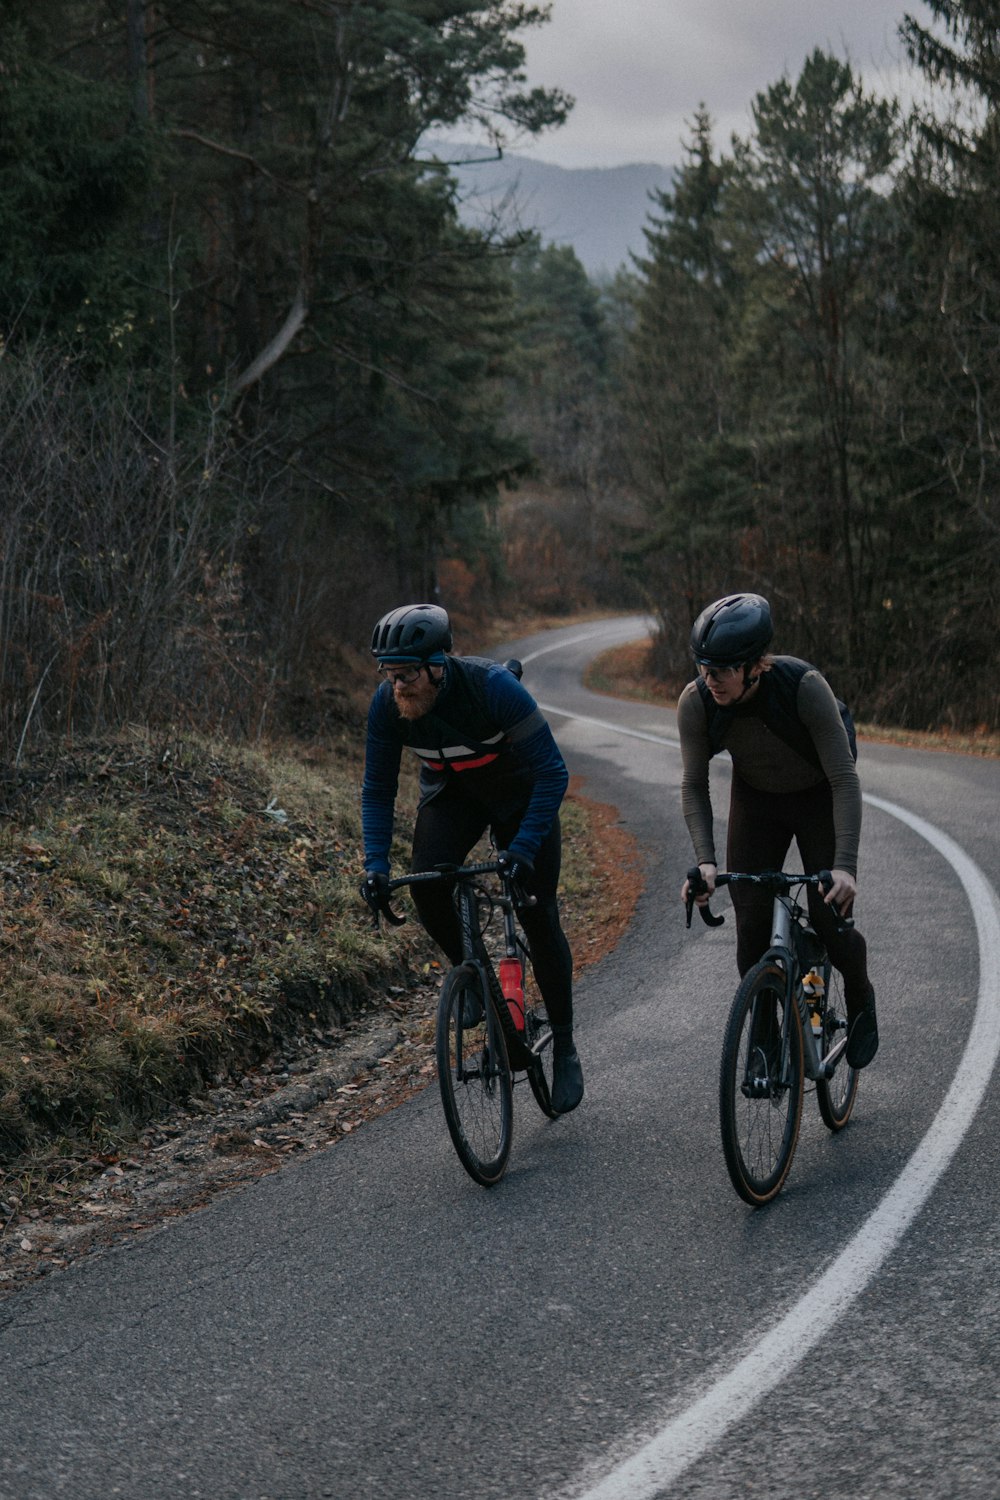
[835,1096]
[474,1075]
[760,1113]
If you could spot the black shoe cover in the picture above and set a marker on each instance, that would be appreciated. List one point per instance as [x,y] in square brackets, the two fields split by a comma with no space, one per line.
[862,1034]
[567,1077]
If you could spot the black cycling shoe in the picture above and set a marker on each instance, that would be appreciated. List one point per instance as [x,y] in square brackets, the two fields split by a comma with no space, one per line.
[862,1034]
[567,1072]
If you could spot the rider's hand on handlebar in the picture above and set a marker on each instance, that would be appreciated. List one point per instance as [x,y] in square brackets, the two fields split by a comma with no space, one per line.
[840,895]
[375,891]
[515,865]
[518,869]
[702,897]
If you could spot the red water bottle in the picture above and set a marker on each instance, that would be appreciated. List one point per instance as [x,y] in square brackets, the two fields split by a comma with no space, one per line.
[512,984]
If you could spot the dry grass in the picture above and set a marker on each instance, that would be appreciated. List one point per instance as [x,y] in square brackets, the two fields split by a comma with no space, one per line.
[168,913]
[172,914]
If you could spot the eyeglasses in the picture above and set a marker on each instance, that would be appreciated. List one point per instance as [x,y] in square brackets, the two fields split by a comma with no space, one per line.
[403,675]
[718,674]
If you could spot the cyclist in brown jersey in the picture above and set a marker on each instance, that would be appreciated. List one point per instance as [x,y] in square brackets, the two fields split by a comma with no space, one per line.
[807,790]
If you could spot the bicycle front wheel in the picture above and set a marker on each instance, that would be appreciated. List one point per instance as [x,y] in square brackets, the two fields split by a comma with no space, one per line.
[761,1084]
[835,1096]
[474,1075]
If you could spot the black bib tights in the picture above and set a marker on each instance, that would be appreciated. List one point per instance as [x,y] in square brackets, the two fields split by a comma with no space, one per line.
[447,827]
[761,828]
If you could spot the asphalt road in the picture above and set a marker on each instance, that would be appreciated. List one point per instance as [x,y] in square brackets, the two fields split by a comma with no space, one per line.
[611,1321]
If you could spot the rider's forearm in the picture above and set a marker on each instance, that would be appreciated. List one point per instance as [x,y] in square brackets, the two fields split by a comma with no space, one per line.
[378,793]
[541,762]
[698,818]
[376,825]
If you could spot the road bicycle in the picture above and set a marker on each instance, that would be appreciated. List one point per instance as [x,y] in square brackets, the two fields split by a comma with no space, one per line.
[787,1023]
[491,1023]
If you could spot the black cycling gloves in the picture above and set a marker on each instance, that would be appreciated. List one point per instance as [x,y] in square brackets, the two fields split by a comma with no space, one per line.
[375,890]
[522,872]
[515,865]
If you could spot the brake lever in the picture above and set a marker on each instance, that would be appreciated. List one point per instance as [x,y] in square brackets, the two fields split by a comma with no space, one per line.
[824,880]
[386,911]
[696,885]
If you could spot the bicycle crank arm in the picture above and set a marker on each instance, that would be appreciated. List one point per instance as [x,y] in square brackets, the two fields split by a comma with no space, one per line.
[833,1057]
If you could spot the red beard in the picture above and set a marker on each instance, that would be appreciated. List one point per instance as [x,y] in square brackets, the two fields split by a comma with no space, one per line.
[417,699]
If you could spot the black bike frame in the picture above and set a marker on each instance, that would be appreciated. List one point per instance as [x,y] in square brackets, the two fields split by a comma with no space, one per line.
[785,921]
[520,1054]
[474,952]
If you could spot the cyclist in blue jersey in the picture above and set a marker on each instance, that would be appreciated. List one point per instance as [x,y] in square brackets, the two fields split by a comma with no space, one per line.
[487,760]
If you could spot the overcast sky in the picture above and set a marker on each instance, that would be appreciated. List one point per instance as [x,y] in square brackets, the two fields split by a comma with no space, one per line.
[638,69]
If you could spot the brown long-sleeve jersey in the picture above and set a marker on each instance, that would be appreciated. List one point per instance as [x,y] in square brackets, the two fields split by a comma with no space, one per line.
[764,761]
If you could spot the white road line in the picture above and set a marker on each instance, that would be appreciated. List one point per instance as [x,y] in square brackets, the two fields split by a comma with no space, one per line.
[632,734]
[690,1434]
[572,640]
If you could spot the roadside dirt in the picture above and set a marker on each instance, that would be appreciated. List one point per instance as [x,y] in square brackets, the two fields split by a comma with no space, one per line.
[311,1095]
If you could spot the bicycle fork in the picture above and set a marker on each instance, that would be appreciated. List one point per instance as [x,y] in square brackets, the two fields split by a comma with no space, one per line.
[481,1061]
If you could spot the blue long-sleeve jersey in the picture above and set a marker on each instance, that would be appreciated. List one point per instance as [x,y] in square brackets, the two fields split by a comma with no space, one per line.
[485,736]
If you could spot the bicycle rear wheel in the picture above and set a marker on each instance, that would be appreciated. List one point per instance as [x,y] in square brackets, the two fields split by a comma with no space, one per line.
[835,1096]
[761,1084]
[474,1075]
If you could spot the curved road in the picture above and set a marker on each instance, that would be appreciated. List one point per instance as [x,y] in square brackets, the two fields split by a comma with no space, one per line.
[611,1321]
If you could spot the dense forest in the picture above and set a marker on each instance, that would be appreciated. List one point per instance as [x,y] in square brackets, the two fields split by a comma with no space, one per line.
[258,382]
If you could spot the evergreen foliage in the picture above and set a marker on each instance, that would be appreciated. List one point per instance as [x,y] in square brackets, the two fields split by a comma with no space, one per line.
[215,213]
[259,382]
[72,185]
[811,380]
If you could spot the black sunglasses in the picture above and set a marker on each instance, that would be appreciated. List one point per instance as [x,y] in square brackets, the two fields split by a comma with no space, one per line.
[404,675]
[717,670]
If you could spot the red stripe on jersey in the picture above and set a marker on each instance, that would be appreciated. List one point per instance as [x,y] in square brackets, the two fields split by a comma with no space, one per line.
[471,765]
[459,765]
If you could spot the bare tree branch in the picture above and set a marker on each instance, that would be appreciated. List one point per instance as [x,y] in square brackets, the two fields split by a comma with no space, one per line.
[201,140]
[268,357]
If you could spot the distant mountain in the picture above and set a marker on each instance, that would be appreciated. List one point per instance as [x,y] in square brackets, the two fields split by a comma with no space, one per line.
[600,211]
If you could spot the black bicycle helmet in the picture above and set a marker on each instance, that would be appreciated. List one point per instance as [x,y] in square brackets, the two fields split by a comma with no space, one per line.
[414,632]
[732,631]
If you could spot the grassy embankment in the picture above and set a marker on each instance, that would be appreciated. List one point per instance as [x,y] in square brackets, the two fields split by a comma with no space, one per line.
[169,911]
[172,911]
